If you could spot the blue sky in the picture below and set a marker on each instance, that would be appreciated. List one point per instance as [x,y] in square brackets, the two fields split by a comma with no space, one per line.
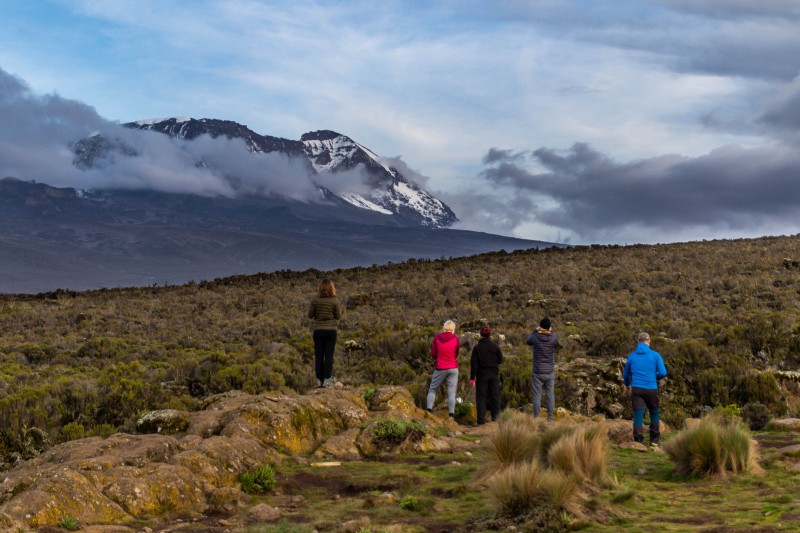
[572,120]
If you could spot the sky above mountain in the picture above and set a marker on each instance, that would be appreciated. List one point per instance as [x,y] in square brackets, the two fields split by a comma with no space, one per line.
[576,121]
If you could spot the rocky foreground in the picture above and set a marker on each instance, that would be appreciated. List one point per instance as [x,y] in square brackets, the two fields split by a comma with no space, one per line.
[184,464]
[181,466]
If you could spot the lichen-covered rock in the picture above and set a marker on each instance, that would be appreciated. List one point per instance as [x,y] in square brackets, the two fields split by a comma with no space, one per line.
[263,513]
[116,481]
[784,424]
[342,446]
[394,399]
[156,490]
[164,421]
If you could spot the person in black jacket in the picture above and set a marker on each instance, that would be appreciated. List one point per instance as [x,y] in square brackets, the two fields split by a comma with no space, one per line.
[484,374]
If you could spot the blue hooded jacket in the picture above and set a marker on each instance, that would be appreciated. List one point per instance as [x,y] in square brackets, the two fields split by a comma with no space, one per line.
[644,368]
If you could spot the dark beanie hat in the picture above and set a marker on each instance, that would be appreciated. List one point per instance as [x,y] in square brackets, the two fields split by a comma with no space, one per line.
[486,331]
[545,323]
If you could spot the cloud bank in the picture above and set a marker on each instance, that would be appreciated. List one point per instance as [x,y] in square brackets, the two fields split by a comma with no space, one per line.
[37,134]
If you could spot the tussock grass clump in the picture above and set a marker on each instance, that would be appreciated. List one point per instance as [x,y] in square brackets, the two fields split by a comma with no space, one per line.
[539,468]
[521,488]
[582,453]
[717,447]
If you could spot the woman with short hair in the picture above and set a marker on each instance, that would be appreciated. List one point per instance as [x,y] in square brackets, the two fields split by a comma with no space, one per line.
[444,350]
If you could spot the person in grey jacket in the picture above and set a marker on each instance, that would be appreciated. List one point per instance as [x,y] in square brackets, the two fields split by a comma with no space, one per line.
[325,311]
[544,342]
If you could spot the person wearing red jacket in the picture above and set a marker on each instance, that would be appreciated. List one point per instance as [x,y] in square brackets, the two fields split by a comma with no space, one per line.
[444,351]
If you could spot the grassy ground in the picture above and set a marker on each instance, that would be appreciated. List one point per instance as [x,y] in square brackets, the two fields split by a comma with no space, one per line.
[441,492]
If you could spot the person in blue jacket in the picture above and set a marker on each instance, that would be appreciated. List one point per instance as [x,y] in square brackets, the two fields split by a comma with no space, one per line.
[643,369]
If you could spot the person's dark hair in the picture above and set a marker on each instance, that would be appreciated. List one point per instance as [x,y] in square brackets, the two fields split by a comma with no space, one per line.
[545,323]
[326,288]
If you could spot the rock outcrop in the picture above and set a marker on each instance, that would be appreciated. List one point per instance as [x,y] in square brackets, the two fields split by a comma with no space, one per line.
[189,463]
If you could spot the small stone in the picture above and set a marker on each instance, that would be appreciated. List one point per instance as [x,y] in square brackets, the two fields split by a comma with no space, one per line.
[641,471]
[455,463]
[468,454]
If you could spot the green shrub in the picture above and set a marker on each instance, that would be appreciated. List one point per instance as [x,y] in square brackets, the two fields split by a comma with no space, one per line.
[416,504]
[396,430]
[72,431]
[465,413]
[258,481]
[369,393]
[69,523]
[756,415]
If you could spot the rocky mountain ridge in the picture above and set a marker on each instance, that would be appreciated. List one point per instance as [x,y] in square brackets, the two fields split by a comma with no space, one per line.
[390,192]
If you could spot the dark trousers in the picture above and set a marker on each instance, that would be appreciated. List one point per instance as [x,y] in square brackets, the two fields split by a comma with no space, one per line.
[487,390]
[641,398]
[324,344]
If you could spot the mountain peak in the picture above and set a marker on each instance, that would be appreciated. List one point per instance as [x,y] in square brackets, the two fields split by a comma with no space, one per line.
[320,135]
[327,151]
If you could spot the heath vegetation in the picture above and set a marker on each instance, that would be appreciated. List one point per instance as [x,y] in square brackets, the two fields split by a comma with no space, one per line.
[724,314]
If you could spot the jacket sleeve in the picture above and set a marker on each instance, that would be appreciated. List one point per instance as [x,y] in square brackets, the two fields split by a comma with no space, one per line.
[531,337]
[338,310]
[626,373]
[433,348]
[499,356]
[661,371]
[311,309]
[473,364]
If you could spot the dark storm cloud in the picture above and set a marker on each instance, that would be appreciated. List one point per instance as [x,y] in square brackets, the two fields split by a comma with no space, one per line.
[589,194]
[783,112]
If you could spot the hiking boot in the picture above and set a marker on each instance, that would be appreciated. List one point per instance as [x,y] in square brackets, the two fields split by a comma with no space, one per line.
[319,383]
[328,383]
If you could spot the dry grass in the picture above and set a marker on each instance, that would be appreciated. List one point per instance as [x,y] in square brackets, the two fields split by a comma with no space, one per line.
[543,468]
[523,487]
[716,447]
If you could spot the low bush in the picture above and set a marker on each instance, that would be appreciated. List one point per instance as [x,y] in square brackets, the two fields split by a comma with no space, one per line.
[716,447]
[756,415]
[258,481]
[396,430]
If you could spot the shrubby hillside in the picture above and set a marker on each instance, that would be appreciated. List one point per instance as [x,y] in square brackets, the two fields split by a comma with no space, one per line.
[723,313]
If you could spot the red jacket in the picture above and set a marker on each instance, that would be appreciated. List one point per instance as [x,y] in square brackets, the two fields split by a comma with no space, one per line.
[445,350]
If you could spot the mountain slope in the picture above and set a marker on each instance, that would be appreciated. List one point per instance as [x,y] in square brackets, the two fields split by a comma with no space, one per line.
[62,238]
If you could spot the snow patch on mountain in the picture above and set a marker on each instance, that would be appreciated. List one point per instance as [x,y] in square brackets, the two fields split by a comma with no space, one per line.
[359,201]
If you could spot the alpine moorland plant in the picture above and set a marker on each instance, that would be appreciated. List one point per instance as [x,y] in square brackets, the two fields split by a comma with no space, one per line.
[583,454]
[69,523]
[396,430]
[717,447]
[523,487]
[258,481]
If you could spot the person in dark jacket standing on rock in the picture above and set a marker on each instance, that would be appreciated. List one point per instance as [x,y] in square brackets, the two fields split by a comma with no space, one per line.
[544,342]
[444,351]
[484,374]
[325,311]
[643,369]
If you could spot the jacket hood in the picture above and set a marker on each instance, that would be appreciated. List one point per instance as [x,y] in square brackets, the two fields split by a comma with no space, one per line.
[642,348]
[445,336]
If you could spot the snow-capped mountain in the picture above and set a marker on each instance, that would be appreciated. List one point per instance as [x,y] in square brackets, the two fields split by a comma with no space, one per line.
[390,193]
